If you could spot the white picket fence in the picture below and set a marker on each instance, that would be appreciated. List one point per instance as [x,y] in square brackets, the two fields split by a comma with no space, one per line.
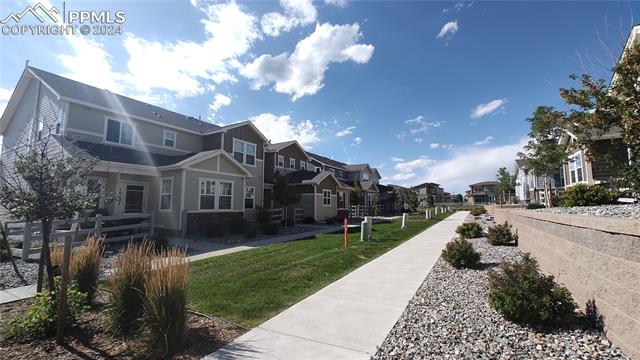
[278,215]
[143,226]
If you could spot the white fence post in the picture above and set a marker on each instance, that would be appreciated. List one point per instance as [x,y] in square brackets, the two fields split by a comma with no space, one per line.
[26,241]
[98,226]
[363,230]
[404,220]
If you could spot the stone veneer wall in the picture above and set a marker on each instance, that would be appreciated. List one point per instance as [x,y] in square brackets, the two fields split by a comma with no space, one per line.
[596,258]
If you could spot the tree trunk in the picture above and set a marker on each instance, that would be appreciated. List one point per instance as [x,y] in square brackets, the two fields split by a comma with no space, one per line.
[40,268]
[62,301]
[46,250]
[5,241]
[547,192]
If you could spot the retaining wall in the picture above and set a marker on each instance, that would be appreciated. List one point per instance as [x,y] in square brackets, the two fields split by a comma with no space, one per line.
[596,258]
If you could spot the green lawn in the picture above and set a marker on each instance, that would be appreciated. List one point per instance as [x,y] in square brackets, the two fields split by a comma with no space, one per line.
[252,286]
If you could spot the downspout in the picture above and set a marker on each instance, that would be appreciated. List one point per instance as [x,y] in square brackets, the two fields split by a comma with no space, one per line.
[315,195]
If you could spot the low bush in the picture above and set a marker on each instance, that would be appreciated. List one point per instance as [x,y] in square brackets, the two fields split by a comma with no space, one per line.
[501,235]
[521,293]
[216,229]
[308,220]
[42,317]
[263,216]
[85,266]
[250,233]
[533,206]
[469,230]
[460,253]
[270,229]
[126,285]
[5,247]
[477,210]
[588,195]
[165,300]
[238,225]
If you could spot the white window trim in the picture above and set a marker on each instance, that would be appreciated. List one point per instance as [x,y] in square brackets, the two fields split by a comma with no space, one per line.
[245,197]
[323,197]
[582,169]
[303,165]
[278,161]
[292,161]
[106,126]
[216,195]
[164,138]
[170,195]
[244,151]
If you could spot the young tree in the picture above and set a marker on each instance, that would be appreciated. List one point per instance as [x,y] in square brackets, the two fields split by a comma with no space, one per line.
[284,195]
[598,109]
[412,199]
[543,154]
[41,182]
[507,184]
[393,198]
[356,194]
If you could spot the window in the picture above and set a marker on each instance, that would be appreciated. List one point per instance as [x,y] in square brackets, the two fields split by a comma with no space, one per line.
[575,168]
[169,139]
[333,171]
[224,199]
[302,165]
[244,152]
[58,120]
[249,197]
[119,132]
[292,163]
[207,194]
[94,189]
[326,197]
[365,176]
[166,191]
[339,174]
[280,161]
[317,169]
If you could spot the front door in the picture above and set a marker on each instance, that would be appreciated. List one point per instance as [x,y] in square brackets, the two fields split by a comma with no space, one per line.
[134,199]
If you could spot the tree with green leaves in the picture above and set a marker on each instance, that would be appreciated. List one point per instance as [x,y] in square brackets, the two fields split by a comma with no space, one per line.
[40,182]
[357,196]
[598,109]
[393,198]
[284,195]
[507,183]
[412,199]
[543,154]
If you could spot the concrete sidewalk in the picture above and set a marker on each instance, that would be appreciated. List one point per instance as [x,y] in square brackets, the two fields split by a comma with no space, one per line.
[349,318]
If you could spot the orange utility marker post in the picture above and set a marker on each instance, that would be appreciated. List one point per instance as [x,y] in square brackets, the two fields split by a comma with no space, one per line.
[346,233]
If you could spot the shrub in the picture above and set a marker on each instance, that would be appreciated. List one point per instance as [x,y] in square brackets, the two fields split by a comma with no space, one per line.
[263,216]
[308,220]
[158,241]
[533,206]
[270,229]
[460,253]
[5,248]
[238,225]
[588,195]
[85,266]
[477,210]
[501,235]
[126,284]
[469,230]
[216,229]
[521,293]
[250,233]
[165,300]
[42,317]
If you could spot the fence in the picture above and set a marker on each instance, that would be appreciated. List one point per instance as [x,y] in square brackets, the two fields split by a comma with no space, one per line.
[99,225]
[279,215]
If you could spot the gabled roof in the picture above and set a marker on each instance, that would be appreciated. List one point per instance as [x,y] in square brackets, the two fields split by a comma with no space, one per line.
[357,167]
[309,177]
[77,92]
[236,125]
[282,145]
[325,160]
[491,182]
[520,163]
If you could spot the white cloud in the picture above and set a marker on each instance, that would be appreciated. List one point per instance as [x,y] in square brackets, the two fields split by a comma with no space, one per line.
[416,120]
[183,68]
[407,170]
[283,128]
[434,145]
[219,101]
[296,13]
[484,141]
[5,95]
[449,28]
[396,159]
[418,140]
[457,7]
[302,72]
[357,140]
[488,108]
[340,3]
[425,127]
[466,166]
[345,132]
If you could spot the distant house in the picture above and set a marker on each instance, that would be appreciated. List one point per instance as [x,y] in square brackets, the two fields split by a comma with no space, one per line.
[530,188]
[429,192]
[481,193]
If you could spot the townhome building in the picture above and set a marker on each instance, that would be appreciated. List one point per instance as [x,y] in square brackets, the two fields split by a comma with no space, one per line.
[530,187]
[430,193]
[481,192]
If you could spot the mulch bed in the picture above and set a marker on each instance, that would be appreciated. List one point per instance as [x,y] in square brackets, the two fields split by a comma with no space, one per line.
[91,340]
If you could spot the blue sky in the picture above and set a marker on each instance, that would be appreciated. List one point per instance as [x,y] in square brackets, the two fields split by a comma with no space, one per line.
[426,91]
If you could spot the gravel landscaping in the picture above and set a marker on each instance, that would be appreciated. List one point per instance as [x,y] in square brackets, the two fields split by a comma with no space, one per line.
[449,318]
[631,211]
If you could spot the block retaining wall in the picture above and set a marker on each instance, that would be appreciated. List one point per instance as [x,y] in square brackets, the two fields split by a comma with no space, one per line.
[596,258]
